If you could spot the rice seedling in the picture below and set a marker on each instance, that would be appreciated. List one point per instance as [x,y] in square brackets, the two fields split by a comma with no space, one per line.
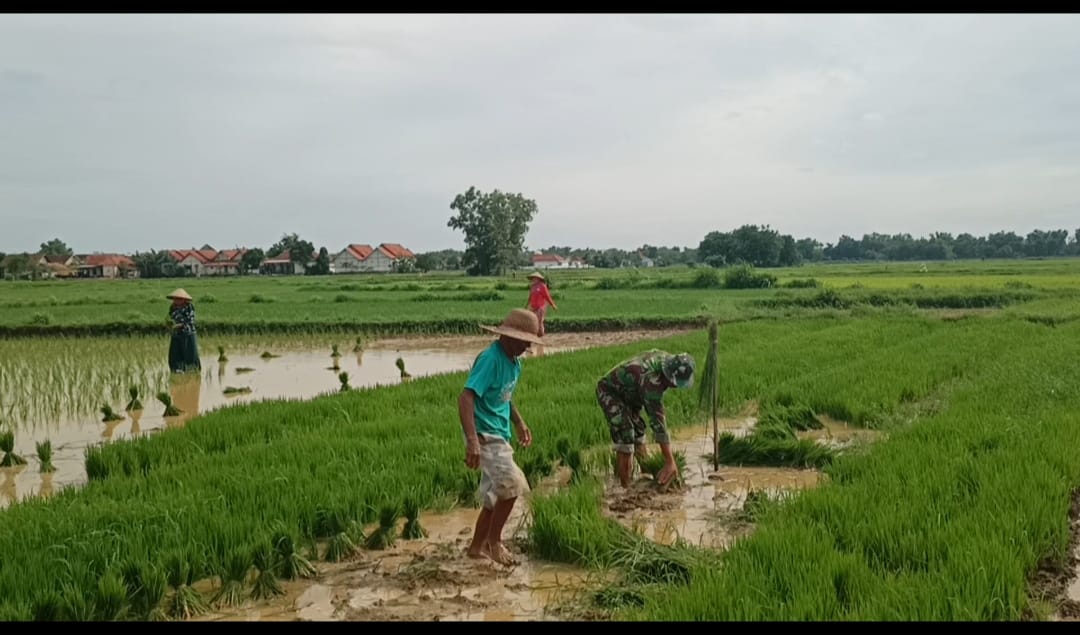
[266,565]
[133,403]
[185,602]
[343,377]
[244,369]
[166,399]
[291,562]
[269,355]
[359,345]
[47,606]
[653,462]
[44,453]
[74,605]
[400,363]
[111,604]
[109,415]
[384,536]
[334,351]
[7,444]
[222,358]
[233,576]
[146,589]
[233,390]
[412,530]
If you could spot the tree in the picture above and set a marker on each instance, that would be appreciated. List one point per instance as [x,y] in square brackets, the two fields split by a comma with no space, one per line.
[56,247]
[300,251]
[495,225]
[321,266]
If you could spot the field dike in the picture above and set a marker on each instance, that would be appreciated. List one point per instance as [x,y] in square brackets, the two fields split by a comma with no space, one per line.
[943,516]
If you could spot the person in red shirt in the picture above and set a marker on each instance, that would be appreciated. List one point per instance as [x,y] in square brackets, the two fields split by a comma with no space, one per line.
[540,298]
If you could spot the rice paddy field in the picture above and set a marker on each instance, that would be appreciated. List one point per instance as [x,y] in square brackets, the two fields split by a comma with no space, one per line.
[894,444]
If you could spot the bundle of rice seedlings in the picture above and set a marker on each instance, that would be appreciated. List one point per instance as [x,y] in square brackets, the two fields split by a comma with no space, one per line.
[7,444]
[146,589]
[573,461]
[112,597]
[268,355]
[400,363]
[412,529]
[109,415]
[291,564]
[233,390]
[344,378]
[44,453]
[46,607]
[384,536]
[341,546]
[166,400]
[359,346]
[334,351]
[185,602]
[74,607]
[654,462]
[709,389]
[221,354]
[562,450]
[233,576]
[266,564]
[133,403]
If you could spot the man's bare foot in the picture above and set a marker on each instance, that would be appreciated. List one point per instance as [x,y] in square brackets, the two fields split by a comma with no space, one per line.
[477,552]
[499,553]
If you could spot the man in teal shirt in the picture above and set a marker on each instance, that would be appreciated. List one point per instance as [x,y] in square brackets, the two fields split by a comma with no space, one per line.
[486,410]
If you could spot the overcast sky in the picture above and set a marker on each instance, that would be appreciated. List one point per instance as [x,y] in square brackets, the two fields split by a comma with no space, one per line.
[124,133]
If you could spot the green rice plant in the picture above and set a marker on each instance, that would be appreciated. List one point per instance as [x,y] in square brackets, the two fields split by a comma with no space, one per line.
[222,358]
[343,377]
[166,399]
[383,537]
[773,447]
[74,605]
[7,444]
[48,606]
[359,345]
[109,415]
[133,403]
[184,602]
[400,363]
[111,603]
[653,462]
[412,530]
[334,351]
[233,574]
[266,565]
[292,564]
[44,453]
[146,588]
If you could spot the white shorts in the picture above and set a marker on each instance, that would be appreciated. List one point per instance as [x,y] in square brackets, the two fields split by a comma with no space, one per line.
[500,476]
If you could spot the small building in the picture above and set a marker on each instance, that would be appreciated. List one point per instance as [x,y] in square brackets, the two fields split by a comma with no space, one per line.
[106,266]
[281,265]
[352,259]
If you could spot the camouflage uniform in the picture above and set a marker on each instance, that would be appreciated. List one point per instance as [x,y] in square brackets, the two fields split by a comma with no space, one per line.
[639,383]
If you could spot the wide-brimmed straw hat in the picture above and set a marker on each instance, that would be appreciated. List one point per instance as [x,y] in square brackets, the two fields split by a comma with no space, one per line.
[179,294]
[520,324]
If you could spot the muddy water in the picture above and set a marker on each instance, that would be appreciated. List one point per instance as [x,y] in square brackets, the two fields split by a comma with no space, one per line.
[297,372]
[425,580]
[706,510]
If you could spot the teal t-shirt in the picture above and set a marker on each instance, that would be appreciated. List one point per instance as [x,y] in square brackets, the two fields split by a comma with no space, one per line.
[493,378]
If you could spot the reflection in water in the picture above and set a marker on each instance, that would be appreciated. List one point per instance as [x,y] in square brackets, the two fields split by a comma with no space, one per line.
[7,488]
[185,390]
[46,488]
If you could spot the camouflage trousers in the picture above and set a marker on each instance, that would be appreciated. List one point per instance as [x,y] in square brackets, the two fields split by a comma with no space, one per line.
[625,423]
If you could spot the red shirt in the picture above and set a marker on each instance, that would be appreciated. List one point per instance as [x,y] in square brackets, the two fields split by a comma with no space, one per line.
[539,296]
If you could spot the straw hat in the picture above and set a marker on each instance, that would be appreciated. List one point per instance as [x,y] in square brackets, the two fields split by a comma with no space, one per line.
[520,324]
[179,294]
[535,274]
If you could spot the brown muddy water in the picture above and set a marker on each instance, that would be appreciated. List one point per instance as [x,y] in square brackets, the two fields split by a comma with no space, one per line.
[299,371]
[432,579]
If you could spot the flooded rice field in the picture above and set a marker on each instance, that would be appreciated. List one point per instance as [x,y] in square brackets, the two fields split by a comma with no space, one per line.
[57,389]
[433,580]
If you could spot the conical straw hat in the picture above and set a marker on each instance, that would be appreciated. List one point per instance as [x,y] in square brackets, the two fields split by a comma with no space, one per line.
[520,324]
[179,293]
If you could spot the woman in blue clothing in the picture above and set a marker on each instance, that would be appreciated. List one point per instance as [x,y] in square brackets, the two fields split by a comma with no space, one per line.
[183,348]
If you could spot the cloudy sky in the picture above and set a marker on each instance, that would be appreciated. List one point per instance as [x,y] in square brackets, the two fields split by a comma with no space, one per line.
[123,133]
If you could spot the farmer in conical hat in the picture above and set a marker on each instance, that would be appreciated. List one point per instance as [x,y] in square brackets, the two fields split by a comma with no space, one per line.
[540,298]
[183,348]
[486,410]
[639,383]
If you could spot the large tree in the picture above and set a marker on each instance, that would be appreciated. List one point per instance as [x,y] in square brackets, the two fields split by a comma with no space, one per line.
[495,225]
[55,247]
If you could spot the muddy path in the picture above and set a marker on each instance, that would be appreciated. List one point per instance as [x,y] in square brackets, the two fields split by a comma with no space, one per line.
[1056,586]
[433,580]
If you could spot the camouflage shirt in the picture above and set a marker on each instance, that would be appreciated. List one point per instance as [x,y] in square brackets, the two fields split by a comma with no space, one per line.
[639,382]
